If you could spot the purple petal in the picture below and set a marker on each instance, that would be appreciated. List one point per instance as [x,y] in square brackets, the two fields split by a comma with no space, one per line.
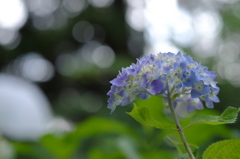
[121,80]
[155,87]
[132,71]
[166,69]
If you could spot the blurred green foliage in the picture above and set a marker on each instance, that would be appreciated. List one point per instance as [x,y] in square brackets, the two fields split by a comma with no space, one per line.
[101,137]
[96,134]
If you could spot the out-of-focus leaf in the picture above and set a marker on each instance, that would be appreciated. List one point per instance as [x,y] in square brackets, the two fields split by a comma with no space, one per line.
[223,149]
[203,133]
[186,156]
[97,153]
[166,154]
[180,146]
[63,147]
[31,150]
[127,147]
[227,117]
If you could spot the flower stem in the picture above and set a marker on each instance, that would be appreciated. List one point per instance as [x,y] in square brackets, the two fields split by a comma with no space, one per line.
[179,128]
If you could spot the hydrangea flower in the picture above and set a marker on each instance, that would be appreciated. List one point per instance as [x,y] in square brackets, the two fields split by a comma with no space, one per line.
[165,75]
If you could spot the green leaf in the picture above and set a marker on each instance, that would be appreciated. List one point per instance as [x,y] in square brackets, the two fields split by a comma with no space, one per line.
[186,156]
[143,116]
[227,117]
[223,149]
[150,112]
[175,96]
[180,146]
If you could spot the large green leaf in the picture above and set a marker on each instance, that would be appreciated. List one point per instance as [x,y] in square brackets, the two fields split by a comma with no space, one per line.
[227,117]
[143,116]
[150,112]
[223,150]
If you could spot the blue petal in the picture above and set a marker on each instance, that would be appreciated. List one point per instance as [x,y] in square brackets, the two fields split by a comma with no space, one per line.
[175,102]
[205,90]
[143,96]
[215,99]
[209,104]
[118,82]
[183,65]
[121,93]
[188,77]
[199,106]
[133,69]
[125,101]
[112,107]
[113,90]
[215,90]
[194,103]
[193,77]
[190,108]
[143,80]
[187,83]
[195,94]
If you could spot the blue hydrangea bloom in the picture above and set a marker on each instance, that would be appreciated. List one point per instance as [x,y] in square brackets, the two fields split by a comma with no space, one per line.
[165,75]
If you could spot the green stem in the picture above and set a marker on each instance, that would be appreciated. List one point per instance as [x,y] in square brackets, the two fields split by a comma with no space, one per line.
[179,128]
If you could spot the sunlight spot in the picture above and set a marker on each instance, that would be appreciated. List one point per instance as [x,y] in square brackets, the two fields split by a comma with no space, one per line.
[7,36]
[74,6]
[36,68]
[135,18]
[103,56]
[13,14]
[42,7]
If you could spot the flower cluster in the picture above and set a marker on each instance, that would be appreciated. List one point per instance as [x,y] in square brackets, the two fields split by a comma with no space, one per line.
[165,75]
